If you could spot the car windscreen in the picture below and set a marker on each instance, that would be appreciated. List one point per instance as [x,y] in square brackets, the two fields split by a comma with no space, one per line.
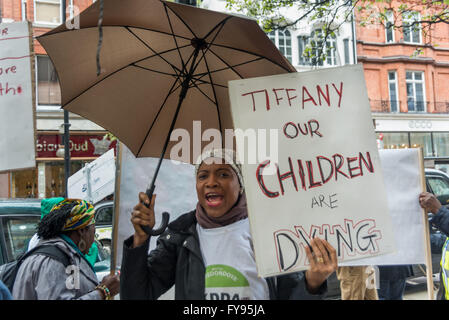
[440,187]
[103,216]
[18,231]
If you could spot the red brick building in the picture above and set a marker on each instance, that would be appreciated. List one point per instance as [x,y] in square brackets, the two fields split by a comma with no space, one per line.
[407,76]
[86,138]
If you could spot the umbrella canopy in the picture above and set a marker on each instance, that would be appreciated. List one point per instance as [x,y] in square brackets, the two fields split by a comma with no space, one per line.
[160,61]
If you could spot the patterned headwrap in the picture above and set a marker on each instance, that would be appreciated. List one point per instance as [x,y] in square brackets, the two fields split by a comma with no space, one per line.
[81,216]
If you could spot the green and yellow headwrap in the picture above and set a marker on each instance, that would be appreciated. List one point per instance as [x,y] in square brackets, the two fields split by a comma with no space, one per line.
[81,215]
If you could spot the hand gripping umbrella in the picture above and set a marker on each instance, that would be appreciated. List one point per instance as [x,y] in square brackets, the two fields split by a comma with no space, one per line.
[163,66]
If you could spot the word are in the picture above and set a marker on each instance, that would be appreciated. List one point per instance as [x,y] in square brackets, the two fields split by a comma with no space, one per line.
[351,238]
[318,96]
[6,89]
[321,201]
[327,169]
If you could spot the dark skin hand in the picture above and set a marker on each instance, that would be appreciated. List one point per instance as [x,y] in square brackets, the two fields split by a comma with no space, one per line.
[112,282]
[323,262]
[142,215]
[429,202]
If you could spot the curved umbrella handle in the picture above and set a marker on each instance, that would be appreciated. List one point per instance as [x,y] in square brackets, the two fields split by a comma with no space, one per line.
[165,217]
[162,227]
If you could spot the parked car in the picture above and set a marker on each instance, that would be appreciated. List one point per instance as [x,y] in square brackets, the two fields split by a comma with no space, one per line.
[18,222]
[103,222]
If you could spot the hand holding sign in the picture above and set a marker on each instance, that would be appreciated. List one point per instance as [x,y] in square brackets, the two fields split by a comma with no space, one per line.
[323,262]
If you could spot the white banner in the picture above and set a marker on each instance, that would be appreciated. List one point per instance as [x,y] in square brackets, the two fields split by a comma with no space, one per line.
[95,181]
[17,119]
[175,192]
[402,176]
[325,180]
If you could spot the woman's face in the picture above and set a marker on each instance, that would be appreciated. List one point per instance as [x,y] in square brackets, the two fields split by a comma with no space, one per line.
[89,237]
[217,187]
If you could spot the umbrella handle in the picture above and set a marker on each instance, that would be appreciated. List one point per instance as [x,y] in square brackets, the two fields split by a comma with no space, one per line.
[165,218]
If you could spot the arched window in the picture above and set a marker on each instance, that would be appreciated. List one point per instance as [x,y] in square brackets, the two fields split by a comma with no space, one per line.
[283,41]
[315,51]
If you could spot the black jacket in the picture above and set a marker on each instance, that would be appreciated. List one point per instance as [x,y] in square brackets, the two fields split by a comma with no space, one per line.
[177,260]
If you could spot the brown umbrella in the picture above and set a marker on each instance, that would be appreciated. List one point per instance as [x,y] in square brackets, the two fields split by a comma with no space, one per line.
[163,66]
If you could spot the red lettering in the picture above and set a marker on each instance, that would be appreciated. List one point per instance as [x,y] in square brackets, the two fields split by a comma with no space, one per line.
[340,93]
[254,102]
[304,90]
[321,93]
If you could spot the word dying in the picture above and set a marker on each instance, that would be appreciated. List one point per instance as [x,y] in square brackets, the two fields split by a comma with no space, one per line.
[352,238]
[321,95]
[328,169]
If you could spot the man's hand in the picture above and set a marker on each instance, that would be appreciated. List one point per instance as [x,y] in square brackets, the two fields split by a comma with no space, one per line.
[429,202]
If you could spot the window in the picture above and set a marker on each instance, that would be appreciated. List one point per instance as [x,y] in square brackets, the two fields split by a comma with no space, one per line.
[48,91]
[389,29]
[47,11]
[440,186]
[424,140]
[18,231]
[392,88]
[314,51]
[346,48]
[415,91]
[283,41]
[103,217]
[412,28]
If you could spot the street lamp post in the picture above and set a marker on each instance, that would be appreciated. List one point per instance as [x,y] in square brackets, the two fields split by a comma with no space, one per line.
[66,125]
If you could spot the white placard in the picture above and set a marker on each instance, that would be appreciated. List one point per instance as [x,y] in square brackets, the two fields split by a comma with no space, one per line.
[95,181]
[402,176]
[17,119]
[175,192]
[325,180]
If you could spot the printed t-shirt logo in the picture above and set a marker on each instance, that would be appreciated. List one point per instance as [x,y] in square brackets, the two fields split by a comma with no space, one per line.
[226,283]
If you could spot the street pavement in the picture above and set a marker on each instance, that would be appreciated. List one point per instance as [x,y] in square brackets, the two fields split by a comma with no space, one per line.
[416,289]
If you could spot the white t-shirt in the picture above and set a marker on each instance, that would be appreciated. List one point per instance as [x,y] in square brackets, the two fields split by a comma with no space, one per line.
[231,272]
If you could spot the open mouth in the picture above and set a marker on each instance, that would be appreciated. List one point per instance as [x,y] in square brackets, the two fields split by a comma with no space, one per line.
[214,199]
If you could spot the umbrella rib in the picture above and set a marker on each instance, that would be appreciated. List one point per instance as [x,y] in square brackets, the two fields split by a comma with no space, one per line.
[155,71]
[254,54]
[174,38]
[229,67]
[207,82]
[188,27]
[221,25]
[111,74]
[146,45]
[227,64]
[172,89]
[215,95]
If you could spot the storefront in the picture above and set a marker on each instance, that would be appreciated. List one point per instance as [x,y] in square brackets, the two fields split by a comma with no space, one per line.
[47,178]
[431,132]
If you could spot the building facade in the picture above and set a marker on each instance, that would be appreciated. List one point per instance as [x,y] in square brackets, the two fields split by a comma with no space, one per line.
[87,140]
[406,72]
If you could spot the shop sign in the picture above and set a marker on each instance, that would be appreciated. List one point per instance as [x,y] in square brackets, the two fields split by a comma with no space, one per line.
[81,146]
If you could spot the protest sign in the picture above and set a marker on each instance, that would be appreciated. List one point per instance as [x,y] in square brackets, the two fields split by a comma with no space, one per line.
[402,176]
[323,178]
[175,193]
[95,181]
[17,118]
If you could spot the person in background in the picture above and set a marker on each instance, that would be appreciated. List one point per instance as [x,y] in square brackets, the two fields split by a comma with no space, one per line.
[357,283]
[392,281]
[46,206]
[4,292]
[440,220]
[70,227]
[208,252]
